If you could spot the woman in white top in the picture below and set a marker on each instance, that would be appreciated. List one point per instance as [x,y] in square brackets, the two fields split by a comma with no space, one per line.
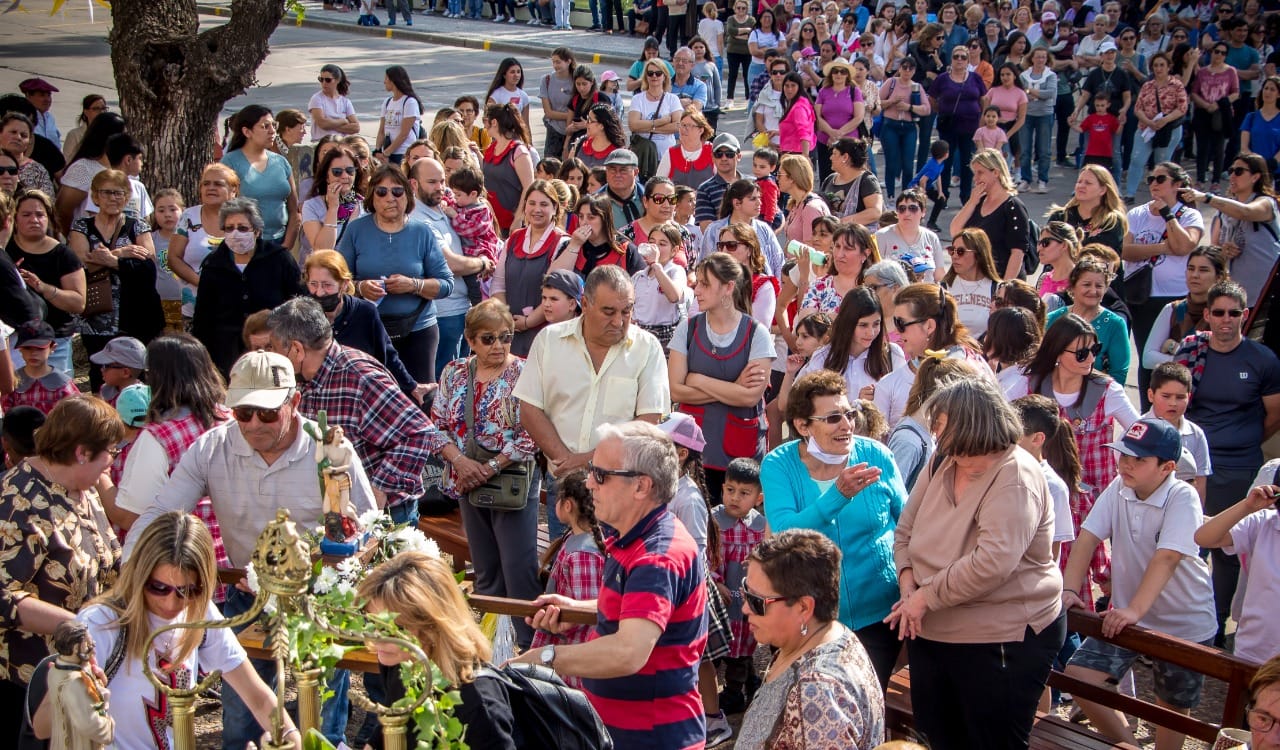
[655,111]
[169,579]
[337,197]
[1206,266]
[972,278]
[507,87]
[908,240]
[401,115]
[764,36]
[195,238]
[332,113]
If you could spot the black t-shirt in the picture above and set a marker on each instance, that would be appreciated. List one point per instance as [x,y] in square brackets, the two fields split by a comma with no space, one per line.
[1007,227]
[1227,403]
[49,267]
[1112,238]
[36,691]
[485,710]
[926,62]
[1114,84]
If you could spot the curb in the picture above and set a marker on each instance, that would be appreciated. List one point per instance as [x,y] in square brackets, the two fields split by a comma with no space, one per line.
[433,37]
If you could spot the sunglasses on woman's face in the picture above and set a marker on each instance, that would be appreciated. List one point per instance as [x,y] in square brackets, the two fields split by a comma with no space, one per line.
[339,171]
[836,417]
[756,603]
[662,200]
[159,588]
[382,190]
[1085,353]
[1046,241]
[653,73]
[1238,171]
[8,170]
[727,245]
[957,251]
[910,208]
[902,325]
[488,339]
[1157,179]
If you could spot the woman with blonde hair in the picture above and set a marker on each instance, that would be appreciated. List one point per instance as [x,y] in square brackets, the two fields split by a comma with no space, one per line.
[972,278]
[795,178]
[1096,207]
[1059,245]
[169,578]
[419,589]
[447,134]
[994,207]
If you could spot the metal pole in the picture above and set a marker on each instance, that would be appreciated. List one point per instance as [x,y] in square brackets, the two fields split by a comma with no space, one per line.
[395,735]
[183,708]
[309,700]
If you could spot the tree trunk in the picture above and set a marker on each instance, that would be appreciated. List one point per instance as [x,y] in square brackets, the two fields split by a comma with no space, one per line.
[174,79]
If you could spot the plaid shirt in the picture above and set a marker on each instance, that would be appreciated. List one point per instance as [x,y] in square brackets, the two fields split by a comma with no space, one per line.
[576,573]
[389,432]
[738,536]
[1097,469]
[42,393]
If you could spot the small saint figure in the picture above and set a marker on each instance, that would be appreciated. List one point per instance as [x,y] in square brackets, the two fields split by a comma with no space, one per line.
[77,698]
[334,460]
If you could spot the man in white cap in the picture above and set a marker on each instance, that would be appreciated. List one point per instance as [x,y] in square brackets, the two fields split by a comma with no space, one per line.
[725,150]
[250,467]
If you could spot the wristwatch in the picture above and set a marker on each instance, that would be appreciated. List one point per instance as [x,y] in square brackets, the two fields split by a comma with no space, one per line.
[547,657]
[493,464]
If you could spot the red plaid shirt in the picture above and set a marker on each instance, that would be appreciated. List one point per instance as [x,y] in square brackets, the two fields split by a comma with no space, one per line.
[388,431]
[737,538]
[34,392]
[1097,469]
[576,573]
[176,436]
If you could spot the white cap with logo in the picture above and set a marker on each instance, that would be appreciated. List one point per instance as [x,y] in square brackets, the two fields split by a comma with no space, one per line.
[260,379]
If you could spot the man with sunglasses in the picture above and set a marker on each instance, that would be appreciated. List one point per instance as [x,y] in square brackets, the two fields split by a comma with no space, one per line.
[1232,376]
[641,670]
[725,150]
[259,463]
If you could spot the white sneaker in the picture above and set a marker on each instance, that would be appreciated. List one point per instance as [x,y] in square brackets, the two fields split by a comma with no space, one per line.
[1024,187]
[511,19]
[534,22]
[499,18]
[1042,187]
[718,730]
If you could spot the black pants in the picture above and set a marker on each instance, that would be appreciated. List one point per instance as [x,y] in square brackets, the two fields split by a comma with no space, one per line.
[554,144]
[1225,487]
[418,352]
[13,698]
[735,62]
[883,646]
[1209,145]
[1062,109]
[981,695]
[1144,319]
[939,199]
[606,6]
[677,33]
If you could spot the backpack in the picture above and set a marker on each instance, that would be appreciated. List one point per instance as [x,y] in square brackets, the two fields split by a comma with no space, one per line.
[547,712]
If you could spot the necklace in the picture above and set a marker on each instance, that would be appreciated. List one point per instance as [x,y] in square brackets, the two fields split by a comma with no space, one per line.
[390,235]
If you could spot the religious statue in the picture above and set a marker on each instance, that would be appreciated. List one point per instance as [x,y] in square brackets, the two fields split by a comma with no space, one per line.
[334,461]
[78,700]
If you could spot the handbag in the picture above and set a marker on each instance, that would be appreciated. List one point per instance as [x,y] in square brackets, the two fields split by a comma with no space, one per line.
[399,326]
[1137,285]
[1164,135]
[509,488]
[646,150]
[97,293]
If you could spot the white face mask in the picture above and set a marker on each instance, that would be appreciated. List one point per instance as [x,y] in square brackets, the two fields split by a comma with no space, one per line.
[830,459]
[240,243]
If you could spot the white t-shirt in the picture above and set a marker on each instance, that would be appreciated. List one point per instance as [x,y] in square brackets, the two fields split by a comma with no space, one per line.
[198,248]
[502,95]
[711,30]
[652,307]
[79,175]
[334,108]
[1168,519]
[1013,382]
[1169,278]
[668,104]
[133,697]
[1195,451]
[769,103]
[1256,541]
[1063,529]
[393,114]
[140,205]
[855,370]
[761,341]
[974,301]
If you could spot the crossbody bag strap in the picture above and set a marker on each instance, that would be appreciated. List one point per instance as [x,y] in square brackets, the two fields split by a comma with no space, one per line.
[471,408]
[115,659]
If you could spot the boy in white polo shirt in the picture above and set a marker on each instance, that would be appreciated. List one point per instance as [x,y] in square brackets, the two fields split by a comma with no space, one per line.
[1158,580]
[1169,393]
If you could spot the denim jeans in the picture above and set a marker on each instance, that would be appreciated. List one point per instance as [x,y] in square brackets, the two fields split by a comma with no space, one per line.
[1142,149]
[898,140]
[455,7]
[475,9]
[555,529]
[452,344]
[562,9]
[924,139]
[958,159]
[595,13]
[1036,133]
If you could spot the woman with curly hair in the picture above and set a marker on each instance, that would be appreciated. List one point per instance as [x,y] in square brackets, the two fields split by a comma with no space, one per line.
[337,197]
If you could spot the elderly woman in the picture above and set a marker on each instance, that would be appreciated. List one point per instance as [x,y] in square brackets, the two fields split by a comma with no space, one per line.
[199,230]
[995,208]
[820,682]
[400,266]
[265,176]
[481,437]
[120,270]
[530,249]
[980,591]
[1264,707]
[886,278]
[355,321]
[245,274]
[845,487]
[336,198]
[689,162]
[58,549]
[16,137]
[49,268]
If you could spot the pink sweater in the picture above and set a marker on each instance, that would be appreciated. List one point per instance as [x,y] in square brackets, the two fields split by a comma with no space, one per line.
[796,130]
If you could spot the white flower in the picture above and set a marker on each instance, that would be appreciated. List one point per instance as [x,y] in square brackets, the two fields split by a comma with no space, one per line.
[349,569]
[346,588]
[251,578]
[325,582]
[370,518]
[410,538]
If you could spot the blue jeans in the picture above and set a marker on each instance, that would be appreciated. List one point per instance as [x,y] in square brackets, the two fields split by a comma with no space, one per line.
[239,728]
[898,140]
[594,5]
[475,9]
[555,529]
[406,512]
[452,345]
[455,6]
[958,158]
[924,139]
[1036,134]
[1142,149]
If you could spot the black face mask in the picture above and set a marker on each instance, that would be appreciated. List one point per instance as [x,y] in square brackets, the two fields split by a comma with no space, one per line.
[328,302]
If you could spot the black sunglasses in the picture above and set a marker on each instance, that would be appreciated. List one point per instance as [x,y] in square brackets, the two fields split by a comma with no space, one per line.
[1158,179]
[602,475]
[326,79]
[727,245]
[382,190]
[1047,241]
[265,416]
[653,73]
[910,208]
[1084,354]
[1238,171]
[756,603]
[8,170]
[834,417]
[725,153]
[959,252]
[158,588]
[662,200]
[489,338]
[1232,313]
[903,325]
[339,171]
[777,72]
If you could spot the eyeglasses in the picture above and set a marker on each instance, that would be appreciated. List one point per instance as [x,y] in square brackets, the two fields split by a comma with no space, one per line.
[876,287]
[1219,51]
[728,245]
[959,57]
[190,591]
[1083,355]
[662,200]
[910,208]
[721,154]
[265,416]
[602,475]
[382,190]
[488,339]
[214,183]
[114,453]
[1221,313]
[902,325]
[339,171]
[8,170]
[654,73]
[957,251]
[117,194]
[237,228]
[1259,721]
[756,603]
[777,72]
[835,417]
[326,79]
[1234,171]
[1047,241]
[1157,179]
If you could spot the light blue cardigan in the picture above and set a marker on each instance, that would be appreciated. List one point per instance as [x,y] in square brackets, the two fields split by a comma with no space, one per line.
[862,526]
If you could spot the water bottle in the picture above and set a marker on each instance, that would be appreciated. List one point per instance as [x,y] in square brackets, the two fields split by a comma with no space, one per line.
[816,257]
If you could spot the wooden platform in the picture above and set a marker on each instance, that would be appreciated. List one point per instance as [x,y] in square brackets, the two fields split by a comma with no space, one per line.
[448,532]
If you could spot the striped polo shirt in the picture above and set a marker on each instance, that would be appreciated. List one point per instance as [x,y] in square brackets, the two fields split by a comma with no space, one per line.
[653,572]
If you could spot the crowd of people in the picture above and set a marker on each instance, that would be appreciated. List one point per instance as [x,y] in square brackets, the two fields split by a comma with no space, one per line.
[765,407]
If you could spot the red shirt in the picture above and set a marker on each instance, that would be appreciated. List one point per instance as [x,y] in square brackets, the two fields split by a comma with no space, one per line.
[1101,129]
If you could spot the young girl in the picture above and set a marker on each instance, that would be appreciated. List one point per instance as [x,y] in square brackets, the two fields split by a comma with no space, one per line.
[573,172]
[711,30]
[595,180]
[547,169]
[858,349]
[690,506]
[912,440]
[609,85]
[659,289]
[990,135]
[1059,249]
[574,564]
[164,225]
[811,331]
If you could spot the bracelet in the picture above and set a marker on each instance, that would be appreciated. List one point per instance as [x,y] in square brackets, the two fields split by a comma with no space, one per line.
[1208,198]
[331,226]
[417,286]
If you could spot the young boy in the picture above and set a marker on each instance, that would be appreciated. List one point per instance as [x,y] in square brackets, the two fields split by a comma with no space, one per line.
[1099,131]
[39,385]
[1169,393]
[547,169]
[472,219]
[132,405]
[741,529]
[18,436]
[123,360]
[125,153]
[1158,580]
[764,163]
[930,178]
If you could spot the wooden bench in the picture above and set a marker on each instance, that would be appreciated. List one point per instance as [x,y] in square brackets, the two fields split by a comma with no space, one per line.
[1050,731]
[448,532]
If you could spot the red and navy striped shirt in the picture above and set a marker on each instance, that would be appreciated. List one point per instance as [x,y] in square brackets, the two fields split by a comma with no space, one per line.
[653,573]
